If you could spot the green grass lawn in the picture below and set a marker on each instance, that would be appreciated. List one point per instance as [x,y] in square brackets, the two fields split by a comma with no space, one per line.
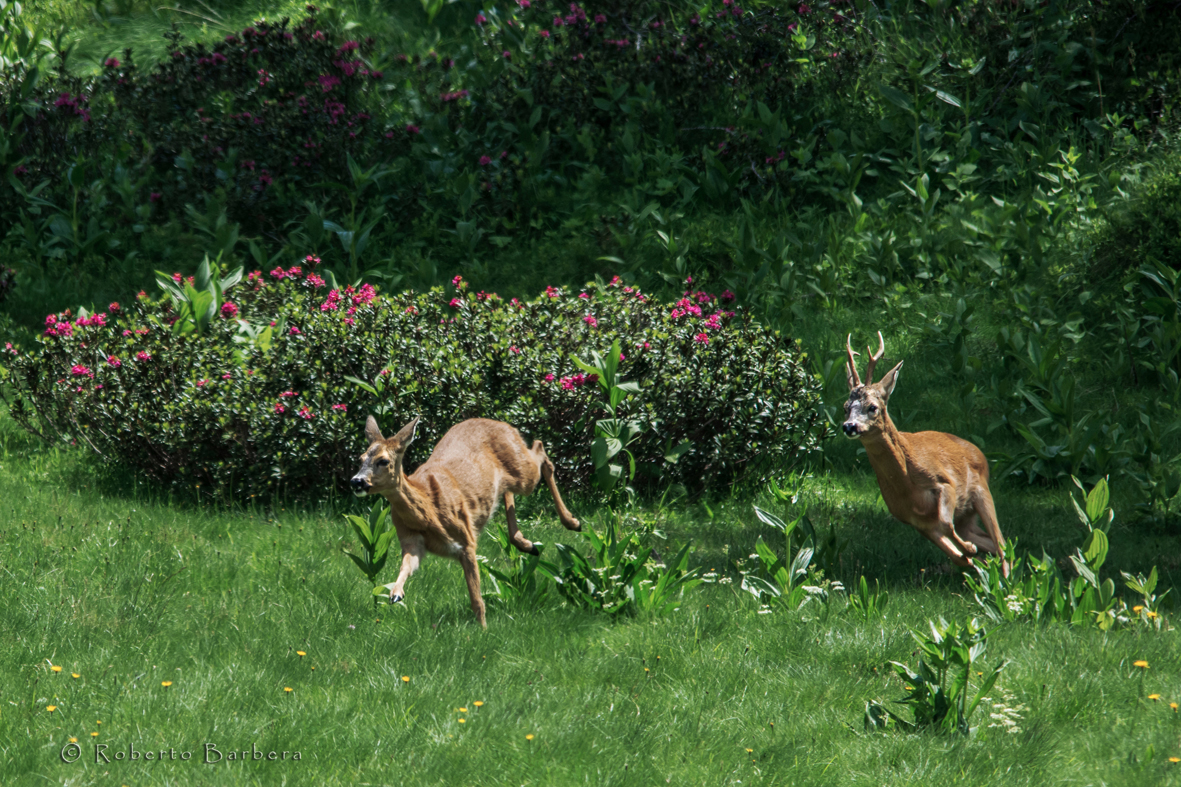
[128,589]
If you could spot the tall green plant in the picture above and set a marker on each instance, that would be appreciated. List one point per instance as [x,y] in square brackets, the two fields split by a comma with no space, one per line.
[940,691]
[374,532]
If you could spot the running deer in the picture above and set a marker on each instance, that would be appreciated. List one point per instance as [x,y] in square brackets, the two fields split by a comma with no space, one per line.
[933,481]
[443,506]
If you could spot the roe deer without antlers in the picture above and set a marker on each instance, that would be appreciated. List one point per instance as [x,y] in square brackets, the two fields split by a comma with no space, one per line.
[443,507]
[933,481]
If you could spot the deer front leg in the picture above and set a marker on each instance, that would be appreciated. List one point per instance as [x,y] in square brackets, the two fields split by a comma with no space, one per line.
[413,548]
[943,542]
[514,534]
[947,500]
[471,572]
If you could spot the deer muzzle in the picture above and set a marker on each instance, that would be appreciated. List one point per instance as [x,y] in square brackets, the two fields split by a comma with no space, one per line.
[360,485]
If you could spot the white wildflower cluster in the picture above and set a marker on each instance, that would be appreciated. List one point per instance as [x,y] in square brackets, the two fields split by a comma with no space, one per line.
[1015,604]
[1005,714]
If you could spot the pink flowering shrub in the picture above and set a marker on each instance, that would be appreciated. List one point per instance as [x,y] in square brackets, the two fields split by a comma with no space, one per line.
[257,417]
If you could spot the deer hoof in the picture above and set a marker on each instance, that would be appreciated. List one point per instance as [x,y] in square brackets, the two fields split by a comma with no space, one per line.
[396,597]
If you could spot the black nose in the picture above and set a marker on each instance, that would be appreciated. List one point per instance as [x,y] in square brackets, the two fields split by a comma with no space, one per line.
[360,484]
[849,427]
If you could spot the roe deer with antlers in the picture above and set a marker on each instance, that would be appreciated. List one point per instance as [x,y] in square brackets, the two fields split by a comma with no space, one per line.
[933,481]
[443,506]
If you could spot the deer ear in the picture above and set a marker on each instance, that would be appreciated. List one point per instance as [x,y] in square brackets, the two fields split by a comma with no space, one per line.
[372,432]
[890,379]
[405,435]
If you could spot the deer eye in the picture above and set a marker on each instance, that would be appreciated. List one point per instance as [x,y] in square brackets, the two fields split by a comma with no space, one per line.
[382,462]
[873,408]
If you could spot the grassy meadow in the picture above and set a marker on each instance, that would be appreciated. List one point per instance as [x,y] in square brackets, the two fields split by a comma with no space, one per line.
[142,618]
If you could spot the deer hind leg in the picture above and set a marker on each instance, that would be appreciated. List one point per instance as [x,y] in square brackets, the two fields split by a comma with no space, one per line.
[514,534]
[969,529]
[471,573]
[413,548]
[982,501]
[547,472]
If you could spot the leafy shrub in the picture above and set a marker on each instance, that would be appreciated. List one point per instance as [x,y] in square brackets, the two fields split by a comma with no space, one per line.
[939,692]
[623,575]
[260,400]
[1036,590]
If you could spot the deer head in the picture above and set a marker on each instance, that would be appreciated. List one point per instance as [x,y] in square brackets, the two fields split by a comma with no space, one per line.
[865,410]
[381,464]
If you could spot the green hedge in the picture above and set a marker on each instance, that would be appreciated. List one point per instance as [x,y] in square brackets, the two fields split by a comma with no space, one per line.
[258,402]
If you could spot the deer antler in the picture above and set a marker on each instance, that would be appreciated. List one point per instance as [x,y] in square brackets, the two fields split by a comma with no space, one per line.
[852,363]
[874,358]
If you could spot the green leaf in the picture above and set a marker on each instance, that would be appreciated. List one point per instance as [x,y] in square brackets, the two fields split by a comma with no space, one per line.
[1097,500]
[770,519]
[897,97]
[1095,549]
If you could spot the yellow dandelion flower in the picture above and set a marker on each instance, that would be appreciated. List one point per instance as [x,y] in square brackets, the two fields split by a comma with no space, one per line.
[405,678]
[1173,705]
[1175,759]
[73,740]
[94,734]
[313,669]
[287,689]
[529,737]
[300,653]
[75,675]
[478,703]
[56,668]
[463,710]
[51,708]
[1152,615]
[750,751]
[165,683]
[1142,664]
[463,721]
[99,721]
[1137,608]
[1154,697]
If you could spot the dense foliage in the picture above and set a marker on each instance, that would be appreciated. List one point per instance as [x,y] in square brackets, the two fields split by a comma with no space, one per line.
[258,398]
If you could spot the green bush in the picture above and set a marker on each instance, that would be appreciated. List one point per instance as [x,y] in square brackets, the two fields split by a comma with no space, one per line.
[258,400]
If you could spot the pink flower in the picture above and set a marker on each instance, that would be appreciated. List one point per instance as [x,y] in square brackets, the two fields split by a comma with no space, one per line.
[114,308]
[549,378]
[126,332]
[413,129]
[111,62]
[727,295]
[142,356]
[583,295]
[226,376]
[524,3]
[485,161]
[332,302]
[288,395]
[552,292]
[280,409]
[514,350]
[701,338]
[81,371]
[314,281]
[279,273]
[305,414]
[176,277]
[481,19]
[229,310]
[457,280]
[293,331]
[344,408]
[507,55]
[600,19]
[590,320]
[456,303]
[544,34]
[202,383]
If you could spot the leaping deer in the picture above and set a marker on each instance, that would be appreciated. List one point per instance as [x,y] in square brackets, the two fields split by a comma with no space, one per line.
[933,481]
[443,507]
